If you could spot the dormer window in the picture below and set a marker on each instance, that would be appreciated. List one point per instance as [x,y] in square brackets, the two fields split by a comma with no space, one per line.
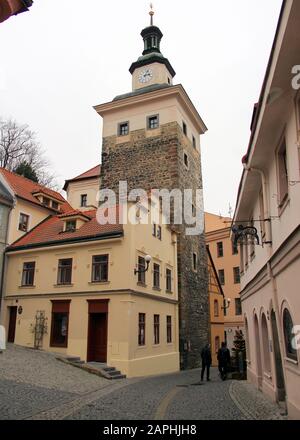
[46,201]
[55,205]
[70,225]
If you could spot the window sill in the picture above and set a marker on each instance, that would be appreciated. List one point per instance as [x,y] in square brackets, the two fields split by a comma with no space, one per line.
[26,287]
[139,283]
[157,289]
[63,285]
[155,345]
[170,292]
[291,361]
[91,283]
[58,345]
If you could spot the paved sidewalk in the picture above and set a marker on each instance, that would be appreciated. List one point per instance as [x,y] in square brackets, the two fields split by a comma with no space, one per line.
[253,403]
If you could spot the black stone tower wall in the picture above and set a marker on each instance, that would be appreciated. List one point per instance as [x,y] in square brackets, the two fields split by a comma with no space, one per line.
[158,162]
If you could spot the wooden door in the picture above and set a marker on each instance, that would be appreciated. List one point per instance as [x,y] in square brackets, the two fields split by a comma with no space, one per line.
[97,338]
[12,324]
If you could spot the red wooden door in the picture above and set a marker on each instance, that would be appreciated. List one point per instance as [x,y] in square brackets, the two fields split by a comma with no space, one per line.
[97,338]
[12,324]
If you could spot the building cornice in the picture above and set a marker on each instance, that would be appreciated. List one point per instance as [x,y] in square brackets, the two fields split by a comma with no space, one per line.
[100,295]
[176,91]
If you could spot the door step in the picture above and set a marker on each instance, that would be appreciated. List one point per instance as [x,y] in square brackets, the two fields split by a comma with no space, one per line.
[100,369]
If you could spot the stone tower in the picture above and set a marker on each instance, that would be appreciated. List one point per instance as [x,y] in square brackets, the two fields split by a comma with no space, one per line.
[151,139]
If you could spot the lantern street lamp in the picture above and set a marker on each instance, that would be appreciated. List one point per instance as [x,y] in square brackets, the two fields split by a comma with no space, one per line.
[148,258]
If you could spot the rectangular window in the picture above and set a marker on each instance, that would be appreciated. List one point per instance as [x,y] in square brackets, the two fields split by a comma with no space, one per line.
[169,329]
[154,229]
[186,160]
[222,276]
[236,275]
[238,306]
[123,129]
[142,329]
[235,250]
[141,266]
[184,128]
[23,222]
[159,232]
[194,261]
[28,274]
[59,324]
[100,268]
[220,251]
[152,122]
[70,225]
[282,177]
[156,275]
[46,201]
[64,271]
[55,205]
[194,142]
[83,200]
[156,329]
[169,280]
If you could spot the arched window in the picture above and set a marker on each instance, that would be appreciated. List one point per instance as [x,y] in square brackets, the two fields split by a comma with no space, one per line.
[217,344]
[216,308]
[265,340]
[289,336]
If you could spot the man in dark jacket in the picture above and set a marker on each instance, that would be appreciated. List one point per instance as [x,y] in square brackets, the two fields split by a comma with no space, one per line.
[224,360]
[206,361]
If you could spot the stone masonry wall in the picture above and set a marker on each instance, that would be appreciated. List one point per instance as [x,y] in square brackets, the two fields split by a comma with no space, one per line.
[158,162]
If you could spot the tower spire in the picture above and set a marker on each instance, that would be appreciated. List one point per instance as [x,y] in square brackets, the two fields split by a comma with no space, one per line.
[151,13]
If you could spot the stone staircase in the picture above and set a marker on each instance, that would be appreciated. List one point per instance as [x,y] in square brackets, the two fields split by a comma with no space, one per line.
[100,369]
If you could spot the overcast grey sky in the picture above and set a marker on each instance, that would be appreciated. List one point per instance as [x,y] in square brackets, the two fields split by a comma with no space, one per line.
[64,56]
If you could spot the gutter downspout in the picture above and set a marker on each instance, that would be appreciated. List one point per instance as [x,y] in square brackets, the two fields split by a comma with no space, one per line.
[269,267]
[4,260]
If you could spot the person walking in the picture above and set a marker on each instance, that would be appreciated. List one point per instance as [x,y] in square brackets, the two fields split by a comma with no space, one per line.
[206,361]
[223,360]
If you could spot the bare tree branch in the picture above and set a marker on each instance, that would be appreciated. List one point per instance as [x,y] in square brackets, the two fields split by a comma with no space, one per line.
[18,144]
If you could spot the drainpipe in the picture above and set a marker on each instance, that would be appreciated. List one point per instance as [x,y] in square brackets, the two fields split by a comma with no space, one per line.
[4,259]
[269,268]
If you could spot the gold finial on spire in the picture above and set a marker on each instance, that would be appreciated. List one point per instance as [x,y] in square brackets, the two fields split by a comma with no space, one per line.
[151,13]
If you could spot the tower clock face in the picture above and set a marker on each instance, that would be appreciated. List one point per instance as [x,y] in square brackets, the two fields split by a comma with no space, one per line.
[145,76]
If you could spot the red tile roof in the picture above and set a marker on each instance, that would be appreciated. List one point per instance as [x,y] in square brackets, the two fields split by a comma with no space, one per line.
[25,188]
[92,173]
[50,231]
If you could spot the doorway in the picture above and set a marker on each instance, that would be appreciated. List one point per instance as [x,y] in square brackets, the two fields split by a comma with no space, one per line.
[258,353]
[97,338]
[278,360]
[12,324]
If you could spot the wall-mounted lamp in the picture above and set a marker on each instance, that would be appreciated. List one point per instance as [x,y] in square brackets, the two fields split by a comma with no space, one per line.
[226,303]
[148,258]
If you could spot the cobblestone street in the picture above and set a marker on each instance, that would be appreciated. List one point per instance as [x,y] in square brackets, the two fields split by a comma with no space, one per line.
[35,385]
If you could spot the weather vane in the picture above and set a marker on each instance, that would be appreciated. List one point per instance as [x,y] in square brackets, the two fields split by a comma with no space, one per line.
[151,13]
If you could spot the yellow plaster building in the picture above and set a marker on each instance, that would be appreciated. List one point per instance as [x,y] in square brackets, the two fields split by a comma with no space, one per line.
[227,263]
[216,310]
[77,278]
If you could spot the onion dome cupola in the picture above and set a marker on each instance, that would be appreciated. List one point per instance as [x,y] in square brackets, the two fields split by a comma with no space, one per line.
[152,67]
